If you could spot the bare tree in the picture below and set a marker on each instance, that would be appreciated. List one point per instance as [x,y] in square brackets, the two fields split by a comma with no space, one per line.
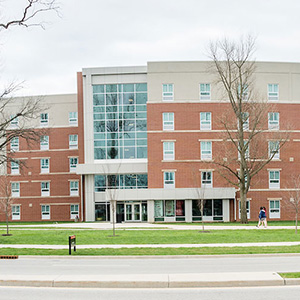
[293,200]
[244,150]
[6,200]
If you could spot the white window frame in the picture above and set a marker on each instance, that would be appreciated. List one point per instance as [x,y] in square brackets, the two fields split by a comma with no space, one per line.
[271,145]
[247,208]
[15,189]
[45,212]
[247,153]
[205,120]
[73,118]
[14,123]
[206,150]
[273,95]
[168,92]
[15,167]
[169,183]
[204,91]
[168,150]
[245,118]
[14,144]
[168,121]
[245,92]
[45,188]
[45,165]
[44,142]
[74,188]
[73,141]
[274,212]
[274,183]
[74,211]
[16,212]
[72,165]
[207,183]
[44,121]
[273,124]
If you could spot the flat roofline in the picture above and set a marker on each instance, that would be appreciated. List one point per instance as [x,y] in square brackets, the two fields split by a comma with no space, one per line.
[115,70]
[210,61]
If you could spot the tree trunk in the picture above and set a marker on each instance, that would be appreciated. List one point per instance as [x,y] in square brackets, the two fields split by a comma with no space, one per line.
[7,229]
[113,216]
[243,196]
[296,228]
[202,210]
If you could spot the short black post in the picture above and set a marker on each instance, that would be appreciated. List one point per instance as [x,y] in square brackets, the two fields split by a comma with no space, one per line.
[72,242]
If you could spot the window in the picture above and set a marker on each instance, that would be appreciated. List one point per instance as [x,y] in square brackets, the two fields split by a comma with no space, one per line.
[15,189]
[44,142]
[45,188]
[169,180]
[168,92]
[247,152]
[45,166]
[204,91]
[168,121]
[274,149]
[73,118]
[273,120]
[74,209]
[247,208]
[245,120]
[206,179]
[14,144]
[274,179]
[73,141]
[44,120]
[243,92]
[73,164]
[45,212]
[273,91]
[15,168]
[74,189]
[274,209]
[15,212]
[169,152]
[206,152]
[14,123]
[205,121]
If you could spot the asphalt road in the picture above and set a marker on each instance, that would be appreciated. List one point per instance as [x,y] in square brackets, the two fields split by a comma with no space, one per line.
[99,266]
[261,293]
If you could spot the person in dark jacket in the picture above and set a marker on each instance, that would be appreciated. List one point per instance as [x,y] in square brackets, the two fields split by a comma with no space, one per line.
[262,217]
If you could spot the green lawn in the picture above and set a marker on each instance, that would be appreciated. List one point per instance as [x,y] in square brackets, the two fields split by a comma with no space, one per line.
[155,251]
[60,237]
[250,223]
[290,275]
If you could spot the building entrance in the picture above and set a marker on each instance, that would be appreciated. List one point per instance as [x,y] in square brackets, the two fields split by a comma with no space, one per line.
[133,212]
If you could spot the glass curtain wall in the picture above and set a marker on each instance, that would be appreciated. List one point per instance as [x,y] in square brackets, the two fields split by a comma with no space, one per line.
[120,121]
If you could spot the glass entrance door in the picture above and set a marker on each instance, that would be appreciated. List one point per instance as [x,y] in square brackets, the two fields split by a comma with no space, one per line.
[133,211]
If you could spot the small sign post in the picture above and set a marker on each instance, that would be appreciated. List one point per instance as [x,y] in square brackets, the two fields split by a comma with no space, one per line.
[72,243]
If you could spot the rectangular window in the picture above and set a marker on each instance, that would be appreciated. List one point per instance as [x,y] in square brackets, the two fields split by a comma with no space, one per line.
[45,188]
[73,164]
[14,123]
[73,141]
[15,212]
[170,208]
[44,121]
[245,120]
[44,142]
[15,189]
[169,151]
[15,168]
[273,91]
[206,151]
[45,165]
[243,92]
[169,180]
[204,91]
[14,144]
[273,120]
[168,121]
[274,179]
[168,92]
[274,149]
[74,188]
[247,152]
[73,118]
[206,179]
[45,212]
[247,208]
[74,209]
[274,209]
[205,121]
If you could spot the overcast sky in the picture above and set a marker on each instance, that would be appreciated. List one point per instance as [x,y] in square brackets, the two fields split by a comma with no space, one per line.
[98,33]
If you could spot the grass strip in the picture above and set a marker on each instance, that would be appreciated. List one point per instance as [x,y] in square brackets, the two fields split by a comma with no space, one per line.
[290,275]
[155,251]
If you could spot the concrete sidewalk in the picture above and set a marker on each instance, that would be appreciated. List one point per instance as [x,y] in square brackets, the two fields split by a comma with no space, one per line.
[150,280]
[265,244]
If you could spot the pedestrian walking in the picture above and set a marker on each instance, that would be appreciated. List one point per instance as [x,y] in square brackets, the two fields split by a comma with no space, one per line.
[262,217]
